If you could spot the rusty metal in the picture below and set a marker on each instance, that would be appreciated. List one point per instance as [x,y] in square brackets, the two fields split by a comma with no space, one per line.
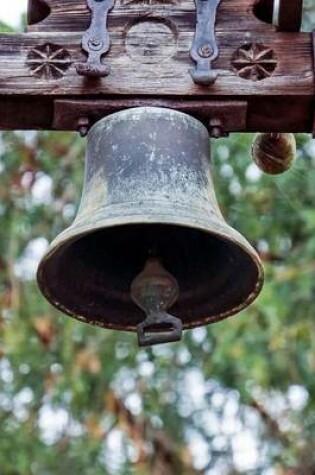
[229,116]
[155,290]
[159,328]
[147,186]
[83,126]
[95,40]
[216,128]
[204,49]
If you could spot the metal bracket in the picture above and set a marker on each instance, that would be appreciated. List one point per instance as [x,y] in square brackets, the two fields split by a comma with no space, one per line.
[159,328]
[220,117]
[204,49]
[95,40]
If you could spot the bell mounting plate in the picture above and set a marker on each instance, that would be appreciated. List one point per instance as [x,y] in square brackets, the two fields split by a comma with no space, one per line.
[226,116]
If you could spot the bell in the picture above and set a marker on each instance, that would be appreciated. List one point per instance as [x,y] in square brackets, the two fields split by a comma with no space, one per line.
[149,237]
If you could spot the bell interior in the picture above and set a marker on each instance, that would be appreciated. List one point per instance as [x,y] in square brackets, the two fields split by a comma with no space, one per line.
[90,277]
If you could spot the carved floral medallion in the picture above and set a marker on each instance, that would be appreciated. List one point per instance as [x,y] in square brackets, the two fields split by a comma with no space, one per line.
[49,61]
[254,61]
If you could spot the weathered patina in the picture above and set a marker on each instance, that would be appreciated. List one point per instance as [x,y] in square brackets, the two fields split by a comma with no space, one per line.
[148,185]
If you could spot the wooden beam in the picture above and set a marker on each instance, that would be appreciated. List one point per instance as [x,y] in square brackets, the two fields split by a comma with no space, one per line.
[290,15]
[272,72]
[74,15]
[37,11]
[142,64]
[264,10]
[230,116]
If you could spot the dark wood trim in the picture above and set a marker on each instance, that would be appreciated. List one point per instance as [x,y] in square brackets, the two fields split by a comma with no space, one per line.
[37,11]
[313,43]
[229,115]
[290,15]
[149,60]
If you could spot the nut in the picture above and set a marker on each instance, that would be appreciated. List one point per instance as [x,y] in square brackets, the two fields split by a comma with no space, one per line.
[205,51]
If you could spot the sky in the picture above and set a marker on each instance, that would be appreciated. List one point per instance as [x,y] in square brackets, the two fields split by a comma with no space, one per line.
[10,13]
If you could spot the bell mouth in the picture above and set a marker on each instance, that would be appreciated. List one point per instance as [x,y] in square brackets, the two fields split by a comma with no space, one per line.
[89,276]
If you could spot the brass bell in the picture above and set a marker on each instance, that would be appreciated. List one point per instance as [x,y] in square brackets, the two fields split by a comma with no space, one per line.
[149,237]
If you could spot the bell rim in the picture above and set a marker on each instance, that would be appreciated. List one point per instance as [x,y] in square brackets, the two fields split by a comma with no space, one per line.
[67,237]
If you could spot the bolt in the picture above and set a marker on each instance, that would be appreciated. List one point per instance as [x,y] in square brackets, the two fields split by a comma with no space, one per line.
[216,129]
[95,41]
[205,51]
[83,126]
[216,132]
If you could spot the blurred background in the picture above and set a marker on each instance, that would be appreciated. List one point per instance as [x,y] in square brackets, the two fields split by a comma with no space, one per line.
[237,397]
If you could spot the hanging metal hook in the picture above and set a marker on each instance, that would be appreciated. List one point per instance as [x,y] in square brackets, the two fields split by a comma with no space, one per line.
[95,40]
[159,327]
[204,49]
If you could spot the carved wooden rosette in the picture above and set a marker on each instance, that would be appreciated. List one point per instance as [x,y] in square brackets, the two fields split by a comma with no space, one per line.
[270,72]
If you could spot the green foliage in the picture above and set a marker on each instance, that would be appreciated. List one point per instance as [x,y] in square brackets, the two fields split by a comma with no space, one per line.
[5,28]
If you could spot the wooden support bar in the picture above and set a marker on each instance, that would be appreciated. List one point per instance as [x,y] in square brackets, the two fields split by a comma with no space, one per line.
[44,64]
[272,72]
[229,115]
[269,114]
[290,15]
[74,15]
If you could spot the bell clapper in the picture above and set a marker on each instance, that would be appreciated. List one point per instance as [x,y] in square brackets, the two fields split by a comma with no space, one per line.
[155,290]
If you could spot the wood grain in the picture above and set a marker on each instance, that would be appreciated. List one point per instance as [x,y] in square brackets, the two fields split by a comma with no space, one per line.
[73,15]
[163,74]
[149,61]
[290,15]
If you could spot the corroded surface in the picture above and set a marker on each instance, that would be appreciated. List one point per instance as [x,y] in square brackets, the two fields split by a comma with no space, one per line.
[148,185]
